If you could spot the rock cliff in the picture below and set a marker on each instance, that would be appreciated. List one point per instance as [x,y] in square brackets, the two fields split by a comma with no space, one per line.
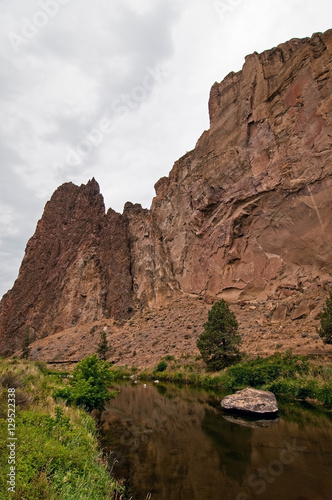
[243,215]
[76,268]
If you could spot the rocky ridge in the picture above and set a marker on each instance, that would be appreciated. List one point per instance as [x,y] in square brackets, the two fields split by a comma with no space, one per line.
[245,216]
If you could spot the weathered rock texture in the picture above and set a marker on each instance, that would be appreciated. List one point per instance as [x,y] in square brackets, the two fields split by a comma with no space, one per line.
[76,268]
[244,214]
[250,207]
[251,401]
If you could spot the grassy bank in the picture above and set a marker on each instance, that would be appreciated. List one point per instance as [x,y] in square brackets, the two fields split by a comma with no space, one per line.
[56,451]
[296,377]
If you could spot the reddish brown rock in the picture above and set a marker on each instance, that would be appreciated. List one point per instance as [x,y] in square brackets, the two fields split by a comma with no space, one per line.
[302,311]
[245,215]
[76,269]
[279,314]
[249,208]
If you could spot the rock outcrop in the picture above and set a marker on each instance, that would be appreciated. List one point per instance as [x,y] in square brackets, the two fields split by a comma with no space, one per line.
[251,401]
[250,207]
[76,268]
[243,215]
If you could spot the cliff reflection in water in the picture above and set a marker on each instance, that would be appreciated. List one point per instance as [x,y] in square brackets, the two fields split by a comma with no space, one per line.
[176,444]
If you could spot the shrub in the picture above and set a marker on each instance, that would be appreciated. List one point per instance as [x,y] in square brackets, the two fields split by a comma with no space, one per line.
[26,346]
[9,379]
[89,385]
[325,330]
[42,367]
[161,367]
[262,371]
[218,344]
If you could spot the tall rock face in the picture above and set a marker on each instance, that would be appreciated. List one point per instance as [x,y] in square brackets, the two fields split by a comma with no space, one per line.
[247,211]
[250,207]
[76,269]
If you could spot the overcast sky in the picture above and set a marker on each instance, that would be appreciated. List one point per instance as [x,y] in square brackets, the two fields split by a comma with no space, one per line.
[118,90]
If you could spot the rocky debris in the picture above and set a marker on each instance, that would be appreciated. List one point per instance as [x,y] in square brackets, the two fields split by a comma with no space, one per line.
[302,311]
[150,335]
[245,216]
[251,401]
[76,269]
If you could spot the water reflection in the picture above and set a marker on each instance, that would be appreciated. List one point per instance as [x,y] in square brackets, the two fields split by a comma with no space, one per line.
[231,443]
[178,445]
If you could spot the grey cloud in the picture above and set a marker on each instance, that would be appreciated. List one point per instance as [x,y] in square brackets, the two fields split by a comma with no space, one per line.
[108,46]
[20,210]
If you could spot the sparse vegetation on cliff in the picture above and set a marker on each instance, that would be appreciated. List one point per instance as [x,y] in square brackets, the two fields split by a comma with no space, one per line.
[57,453]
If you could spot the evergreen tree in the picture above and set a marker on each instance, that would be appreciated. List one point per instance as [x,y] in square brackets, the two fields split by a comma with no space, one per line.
[218,344]
[102,346]
[325,330]
[26,346]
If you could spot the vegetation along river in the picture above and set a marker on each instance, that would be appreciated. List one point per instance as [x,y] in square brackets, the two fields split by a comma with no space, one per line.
[177,444]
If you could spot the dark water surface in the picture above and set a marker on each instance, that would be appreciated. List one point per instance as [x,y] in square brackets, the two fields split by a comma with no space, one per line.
[178,445]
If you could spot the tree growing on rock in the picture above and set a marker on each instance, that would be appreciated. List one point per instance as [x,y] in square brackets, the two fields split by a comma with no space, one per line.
[325,331]
[220,340]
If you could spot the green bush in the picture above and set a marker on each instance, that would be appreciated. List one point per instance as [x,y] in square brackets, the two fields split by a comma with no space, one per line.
[26,346]
[218,344]
[89,385]
[325,330]
[57,448]
[161,366]
[298,389]
[260,371]
[324,393]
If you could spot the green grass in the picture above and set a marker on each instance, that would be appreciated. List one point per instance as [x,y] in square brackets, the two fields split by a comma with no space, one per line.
[296,377]
[57,452]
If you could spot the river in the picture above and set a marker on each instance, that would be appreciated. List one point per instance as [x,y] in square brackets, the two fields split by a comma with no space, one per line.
[177,444]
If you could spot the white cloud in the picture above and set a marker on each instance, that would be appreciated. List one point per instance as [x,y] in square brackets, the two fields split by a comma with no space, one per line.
[91,61]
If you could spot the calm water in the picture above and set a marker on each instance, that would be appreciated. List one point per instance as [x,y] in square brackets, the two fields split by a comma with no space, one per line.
[178,445]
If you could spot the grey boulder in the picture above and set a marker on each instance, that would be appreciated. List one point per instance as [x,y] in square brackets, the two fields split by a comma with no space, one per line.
[251,401]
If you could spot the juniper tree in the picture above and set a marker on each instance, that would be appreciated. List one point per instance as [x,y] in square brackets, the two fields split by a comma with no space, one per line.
[102,346]
[26,346]
[218,344]
[325,330]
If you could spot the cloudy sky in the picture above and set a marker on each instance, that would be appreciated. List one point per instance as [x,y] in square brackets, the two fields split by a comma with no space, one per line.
[118,90]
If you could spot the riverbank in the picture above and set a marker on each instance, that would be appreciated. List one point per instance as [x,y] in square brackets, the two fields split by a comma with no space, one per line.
[54,451]
[296,377]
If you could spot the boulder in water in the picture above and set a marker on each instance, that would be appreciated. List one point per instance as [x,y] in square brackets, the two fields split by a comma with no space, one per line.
[251,401]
